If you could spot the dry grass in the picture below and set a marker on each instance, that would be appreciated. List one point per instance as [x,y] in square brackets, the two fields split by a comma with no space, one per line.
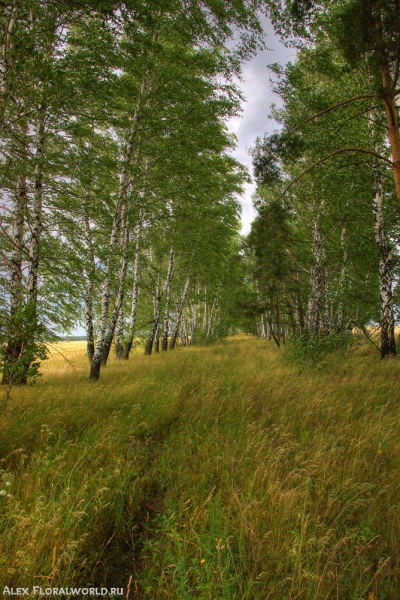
[215,473]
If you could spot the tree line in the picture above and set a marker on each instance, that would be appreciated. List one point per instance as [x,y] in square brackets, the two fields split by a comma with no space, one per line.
[119,197]
[325,243]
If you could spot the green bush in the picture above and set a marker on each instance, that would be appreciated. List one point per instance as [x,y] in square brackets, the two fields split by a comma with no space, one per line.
[314,349]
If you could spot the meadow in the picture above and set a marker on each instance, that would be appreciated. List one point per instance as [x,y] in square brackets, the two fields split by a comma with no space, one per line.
[217,472]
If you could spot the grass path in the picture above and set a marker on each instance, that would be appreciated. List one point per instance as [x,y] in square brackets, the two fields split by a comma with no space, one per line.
[215,473]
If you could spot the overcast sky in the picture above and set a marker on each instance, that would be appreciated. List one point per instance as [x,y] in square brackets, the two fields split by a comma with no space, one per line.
[254,120]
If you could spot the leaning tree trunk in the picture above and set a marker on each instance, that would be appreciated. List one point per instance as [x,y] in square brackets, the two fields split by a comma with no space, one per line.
[181,306]
[89,286]
[135,291]
[271,328]
[121,201]
[393,132]
[89,320]
[120,294]
[106,289]
[388,343]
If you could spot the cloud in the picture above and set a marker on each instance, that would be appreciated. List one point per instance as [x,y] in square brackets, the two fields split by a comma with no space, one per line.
[259,97]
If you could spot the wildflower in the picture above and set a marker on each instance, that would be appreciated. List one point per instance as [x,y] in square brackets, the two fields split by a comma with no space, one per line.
[10,496]
[7,483]
[3,492]
[203,560]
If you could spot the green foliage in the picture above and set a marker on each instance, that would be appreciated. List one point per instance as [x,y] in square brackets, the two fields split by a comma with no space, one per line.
[22,346]
[314,349]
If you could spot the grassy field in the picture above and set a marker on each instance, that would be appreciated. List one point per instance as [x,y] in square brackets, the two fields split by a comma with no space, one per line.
[211,473]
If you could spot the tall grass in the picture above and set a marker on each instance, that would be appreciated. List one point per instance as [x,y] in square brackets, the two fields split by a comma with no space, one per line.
[211,473]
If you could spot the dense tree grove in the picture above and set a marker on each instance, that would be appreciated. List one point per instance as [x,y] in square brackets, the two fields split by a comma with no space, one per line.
[120,199]
[326,238]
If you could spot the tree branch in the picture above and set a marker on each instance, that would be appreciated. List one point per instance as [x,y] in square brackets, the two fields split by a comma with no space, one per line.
[326,110]
[321,160]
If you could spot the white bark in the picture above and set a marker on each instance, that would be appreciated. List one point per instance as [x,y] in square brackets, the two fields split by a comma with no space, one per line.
[342,283]
[10,20]
[37,225]
[167,292]
[121,289]
[135,290]
[179,314]
[89,285]
[120,203]
[388,345]
[156,317]
[314,300]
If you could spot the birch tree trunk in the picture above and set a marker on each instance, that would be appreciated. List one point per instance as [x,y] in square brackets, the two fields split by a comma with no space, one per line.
[314,301]
[278,311]
[263,334]
[181,306]
[120,333]
[156,317]
[121,291]
[106,288]
[193,324]
[271,328]
[120,203]
[89,285]
[167,287]
[157,340]
[209,330]
[342,283]
[184,336]
[290,307]
[37,224]
[10,20]
[15,339]
[135,291]
[299,305]
[388,343]
[326,317]
[205,309]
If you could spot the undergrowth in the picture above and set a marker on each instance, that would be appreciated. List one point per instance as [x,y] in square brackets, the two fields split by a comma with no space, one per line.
[209,473]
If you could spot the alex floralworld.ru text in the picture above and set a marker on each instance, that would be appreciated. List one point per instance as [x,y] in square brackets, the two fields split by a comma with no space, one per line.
[39,591]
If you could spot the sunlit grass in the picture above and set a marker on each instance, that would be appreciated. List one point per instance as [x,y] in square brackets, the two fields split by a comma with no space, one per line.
[214,472]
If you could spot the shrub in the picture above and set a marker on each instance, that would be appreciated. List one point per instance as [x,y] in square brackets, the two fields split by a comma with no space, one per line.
[313,349]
